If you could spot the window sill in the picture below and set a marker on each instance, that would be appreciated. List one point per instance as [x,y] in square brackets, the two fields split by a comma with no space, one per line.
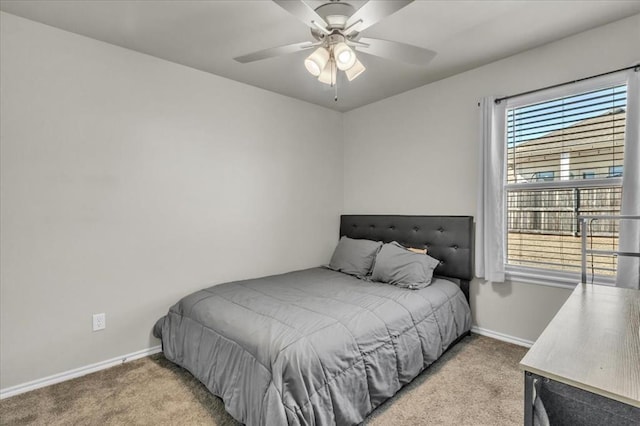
[557,279]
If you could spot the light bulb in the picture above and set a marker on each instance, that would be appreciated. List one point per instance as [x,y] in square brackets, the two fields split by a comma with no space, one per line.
[312,67]
[344,55]
[317,61]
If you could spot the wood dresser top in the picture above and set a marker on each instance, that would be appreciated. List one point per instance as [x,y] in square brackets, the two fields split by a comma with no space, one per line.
[593,343]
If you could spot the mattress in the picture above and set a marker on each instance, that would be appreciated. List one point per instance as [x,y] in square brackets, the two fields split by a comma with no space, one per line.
[313,346]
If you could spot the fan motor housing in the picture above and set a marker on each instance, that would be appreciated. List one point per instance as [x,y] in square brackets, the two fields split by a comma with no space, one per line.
[335,15]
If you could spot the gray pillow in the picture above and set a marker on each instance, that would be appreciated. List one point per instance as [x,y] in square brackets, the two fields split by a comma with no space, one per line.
[398,266]
[354,257]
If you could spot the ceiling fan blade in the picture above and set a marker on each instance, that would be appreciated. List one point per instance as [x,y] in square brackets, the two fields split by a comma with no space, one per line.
[397,51]
[303,12]
[372,12]
[274,51]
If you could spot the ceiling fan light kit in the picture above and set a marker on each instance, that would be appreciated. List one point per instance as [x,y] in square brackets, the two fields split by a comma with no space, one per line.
[344,55]
[325,61]
[336,26]
[317,61]
[329,73]
[355,70]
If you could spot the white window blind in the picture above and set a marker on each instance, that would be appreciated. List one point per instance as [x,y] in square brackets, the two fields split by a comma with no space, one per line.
[564,158]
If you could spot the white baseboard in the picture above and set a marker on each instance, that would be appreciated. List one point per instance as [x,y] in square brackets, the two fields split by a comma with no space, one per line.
[77,372]
[501,336]
[92,368]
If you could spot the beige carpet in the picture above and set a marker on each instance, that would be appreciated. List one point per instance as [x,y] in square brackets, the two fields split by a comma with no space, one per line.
[475,383]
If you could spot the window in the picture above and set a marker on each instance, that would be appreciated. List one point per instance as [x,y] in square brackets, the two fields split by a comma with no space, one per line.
[564,158]
[542,176]
[615,171]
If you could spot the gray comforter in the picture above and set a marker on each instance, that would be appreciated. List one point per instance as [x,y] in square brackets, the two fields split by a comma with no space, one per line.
[313,346]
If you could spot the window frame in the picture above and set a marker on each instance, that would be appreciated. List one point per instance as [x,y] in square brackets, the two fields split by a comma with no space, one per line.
[541,276]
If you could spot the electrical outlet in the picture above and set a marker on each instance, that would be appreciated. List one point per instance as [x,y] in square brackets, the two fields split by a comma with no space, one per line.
[99,322]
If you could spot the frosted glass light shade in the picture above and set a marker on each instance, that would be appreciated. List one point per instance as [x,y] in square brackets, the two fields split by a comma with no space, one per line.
[344,55]
[317,61]
[353,72]
[329,73]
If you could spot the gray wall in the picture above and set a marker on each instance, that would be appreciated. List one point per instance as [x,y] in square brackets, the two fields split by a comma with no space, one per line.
[129,181]
[419,153]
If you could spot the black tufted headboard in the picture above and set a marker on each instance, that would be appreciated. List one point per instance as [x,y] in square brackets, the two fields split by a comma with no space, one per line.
[446,238]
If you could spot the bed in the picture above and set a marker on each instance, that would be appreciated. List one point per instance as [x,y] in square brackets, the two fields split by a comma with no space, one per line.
[318,346]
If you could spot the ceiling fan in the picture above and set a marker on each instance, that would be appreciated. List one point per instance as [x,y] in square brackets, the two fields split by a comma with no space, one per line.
[337,29]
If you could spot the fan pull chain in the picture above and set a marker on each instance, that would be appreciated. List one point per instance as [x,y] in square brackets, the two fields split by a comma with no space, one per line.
[335,98]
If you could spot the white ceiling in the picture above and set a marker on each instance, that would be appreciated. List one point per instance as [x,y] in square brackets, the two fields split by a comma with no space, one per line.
[207,35]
